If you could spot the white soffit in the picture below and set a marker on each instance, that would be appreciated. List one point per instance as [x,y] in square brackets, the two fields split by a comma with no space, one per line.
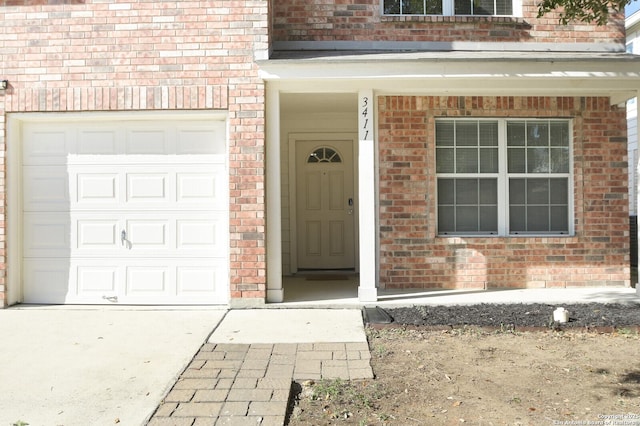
[517,73]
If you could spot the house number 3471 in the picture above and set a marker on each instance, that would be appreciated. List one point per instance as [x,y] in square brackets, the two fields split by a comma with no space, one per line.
[365,118]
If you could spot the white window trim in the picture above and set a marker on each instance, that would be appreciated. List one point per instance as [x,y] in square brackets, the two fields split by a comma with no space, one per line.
[448,10]
[503,177]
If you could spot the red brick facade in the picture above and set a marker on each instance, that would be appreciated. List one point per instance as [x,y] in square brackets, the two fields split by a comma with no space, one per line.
[151,55]
[362,20]
[413,256]
[62,56]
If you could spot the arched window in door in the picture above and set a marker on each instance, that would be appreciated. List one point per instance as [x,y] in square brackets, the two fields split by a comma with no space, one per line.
[324,155]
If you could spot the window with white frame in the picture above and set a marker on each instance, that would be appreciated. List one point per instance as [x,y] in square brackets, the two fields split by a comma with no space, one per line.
[449,7]
[504,176]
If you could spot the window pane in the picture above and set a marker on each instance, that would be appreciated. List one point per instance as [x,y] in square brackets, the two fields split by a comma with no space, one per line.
[466,191]
[488,218]
[538,160]
[516,133]
[446,219]
[467,205]
[467,160]
[483,7]
[559,134]
[559,219]
[517,219]
[445,160]
[467,219]
[467,133]
[537,191]
[537,219]
[517,191]
[412,7]
[488,133]
[488,191]
[462,7]
[537,133]
[504,7]
[559,160]
[545,209]
[392,7]
[559,191]
[445,133]
[489,160]
[446,191]
[434,7]
[516,160]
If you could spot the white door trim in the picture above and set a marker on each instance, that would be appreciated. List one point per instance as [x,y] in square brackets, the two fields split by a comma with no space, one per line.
[328,137]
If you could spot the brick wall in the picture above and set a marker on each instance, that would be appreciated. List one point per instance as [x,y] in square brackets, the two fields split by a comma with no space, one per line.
[361,20]
[149,55]
[412,256]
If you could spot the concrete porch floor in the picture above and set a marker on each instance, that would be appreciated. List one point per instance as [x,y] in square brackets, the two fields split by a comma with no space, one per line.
[341,291]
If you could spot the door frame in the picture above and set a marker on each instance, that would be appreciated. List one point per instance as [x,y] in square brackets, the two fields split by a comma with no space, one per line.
[14,139]
[294,138]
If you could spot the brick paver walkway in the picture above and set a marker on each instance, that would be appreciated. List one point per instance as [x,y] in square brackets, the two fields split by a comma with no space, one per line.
[238,384]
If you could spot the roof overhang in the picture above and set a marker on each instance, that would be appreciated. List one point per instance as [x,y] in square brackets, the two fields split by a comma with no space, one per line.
[615,75]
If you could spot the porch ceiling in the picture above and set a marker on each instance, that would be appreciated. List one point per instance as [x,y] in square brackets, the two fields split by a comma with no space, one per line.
[318,103]
[471,73]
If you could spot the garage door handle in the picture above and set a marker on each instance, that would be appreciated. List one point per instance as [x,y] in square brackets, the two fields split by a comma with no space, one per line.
[123,239]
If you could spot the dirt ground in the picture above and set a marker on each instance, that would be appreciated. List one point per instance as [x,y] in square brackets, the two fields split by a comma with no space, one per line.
[503,375]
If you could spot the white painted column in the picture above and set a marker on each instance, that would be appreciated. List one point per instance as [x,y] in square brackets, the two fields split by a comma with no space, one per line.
[367,290]
[275,290]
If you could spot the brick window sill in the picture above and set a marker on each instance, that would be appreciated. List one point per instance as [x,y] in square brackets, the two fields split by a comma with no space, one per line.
[433,19]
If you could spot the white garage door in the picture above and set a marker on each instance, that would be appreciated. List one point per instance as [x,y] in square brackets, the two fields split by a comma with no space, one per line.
[130,212]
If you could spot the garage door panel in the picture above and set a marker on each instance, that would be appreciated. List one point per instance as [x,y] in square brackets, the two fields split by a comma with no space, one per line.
[45,188]
[145,234]
[97,142]
[45,281]
[199,141]
[46,234]
[47,147]
[201,280]
[146,187]
[97,234]
[145,281]
[96,188]
[96,281]
[147,142]
[192,281]
[200,234]
[202,187]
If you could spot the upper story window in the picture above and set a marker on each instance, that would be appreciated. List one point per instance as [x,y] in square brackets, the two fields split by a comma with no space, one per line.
[449,7]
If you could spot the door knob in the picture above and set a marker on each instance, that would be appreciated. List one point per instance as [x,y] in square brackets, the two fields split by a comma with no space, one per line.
[123,237]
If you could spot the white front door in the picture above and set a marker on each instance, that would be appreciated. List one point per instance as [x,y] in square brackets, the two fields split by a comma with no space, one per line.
[118,211]
[325,204]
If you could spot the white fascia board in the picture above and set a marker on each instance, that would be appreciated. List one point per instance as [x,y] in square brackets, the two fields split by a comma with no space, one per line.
[567,78]
[426,68]
[505,86]
[445,46]
[632,21]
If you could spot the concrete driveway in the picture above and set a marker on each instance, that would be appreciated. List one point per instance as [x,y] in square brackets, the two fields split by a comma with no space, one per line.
[94,365]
